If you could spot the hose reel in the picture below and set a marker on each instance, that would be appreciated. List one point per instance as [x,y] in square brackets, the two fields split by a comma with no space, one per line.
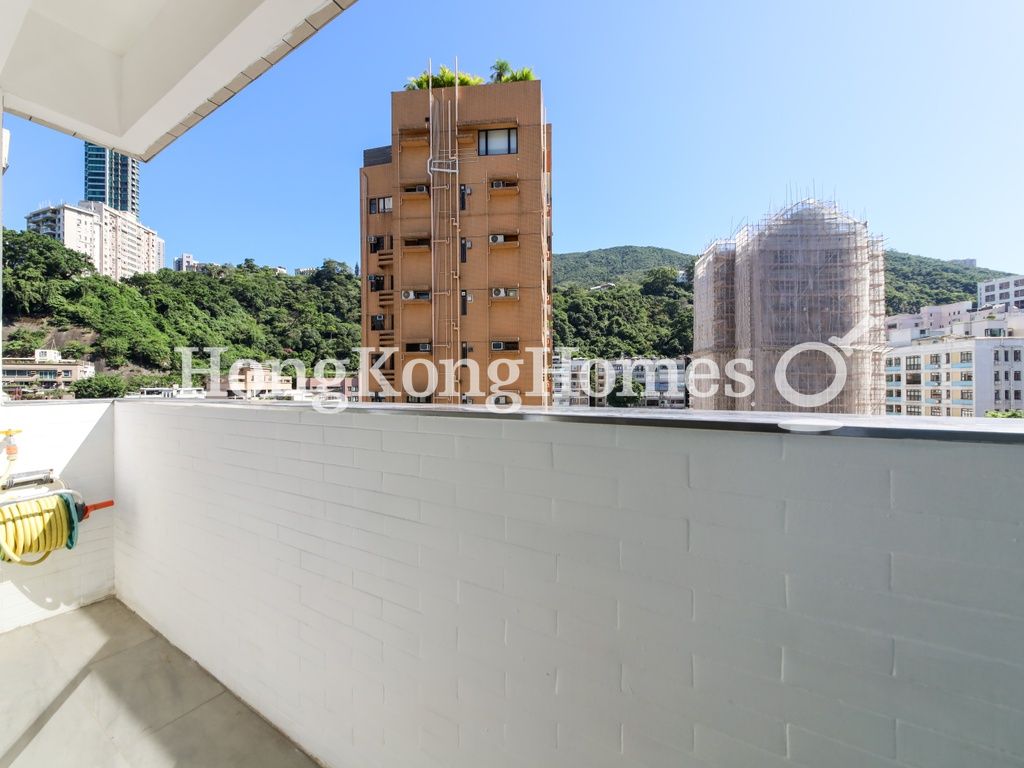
[38,513]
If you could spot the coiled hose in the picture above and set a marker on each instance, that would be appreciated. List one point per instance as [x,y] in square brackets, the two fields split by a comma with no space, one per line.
[38,527]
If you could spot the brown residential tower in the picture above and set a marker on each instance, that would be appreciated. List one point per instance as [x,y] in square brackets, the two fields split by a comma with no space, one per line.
[456,238]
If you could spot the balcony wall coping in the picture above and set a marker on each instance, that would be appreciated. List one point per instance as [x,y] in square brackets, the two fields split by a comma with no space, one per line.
[943,429]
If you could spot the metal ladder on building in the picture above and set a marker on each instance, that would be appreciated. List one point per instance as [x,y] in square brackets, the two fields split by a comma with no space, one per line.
[443,171]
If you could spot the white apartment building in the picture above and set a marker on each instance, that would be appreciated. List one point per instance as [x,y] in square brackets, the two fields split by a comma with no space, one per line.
[1002,289]
[955,377]
[569,378]
[958,319]
[116,242]
[664,385]
[965,367]
[663,381]
[928,319]
[186,262]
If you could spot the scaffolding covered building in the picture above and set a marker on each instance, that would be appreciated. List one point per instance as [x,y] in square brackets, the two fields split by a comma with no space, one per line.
[809,274]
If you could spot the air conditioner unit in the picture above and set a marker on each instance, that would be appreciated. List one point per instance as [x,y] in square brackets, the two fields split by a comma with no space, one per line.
[502,400]
[497,239]
[424,347]
[497,184]
[420,188]
[379,318]
[497,346]
[373,239]
[408,294]
[499,293]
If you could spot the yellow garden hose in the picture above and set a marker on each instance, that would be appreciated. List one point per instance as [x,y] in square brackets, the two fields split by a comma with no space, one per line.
[38,513]
[35,527]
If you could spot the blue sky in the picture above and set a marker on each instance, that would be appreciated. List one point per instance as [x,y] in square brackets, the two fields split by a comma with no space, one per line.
[673,123]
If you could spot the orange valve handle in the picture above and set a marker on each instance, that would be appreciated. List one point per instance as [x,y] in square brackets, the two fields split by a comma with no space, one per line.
[90,508]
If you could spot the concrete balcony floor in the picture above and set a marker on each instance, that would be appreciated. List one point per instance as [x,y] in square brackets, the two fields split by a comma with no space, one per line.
[99,687]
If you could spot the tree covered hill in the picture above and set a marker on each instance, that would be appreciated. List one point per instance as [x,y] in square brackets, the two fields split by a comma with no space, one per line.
[912,282]
[138,322]
[613,265]
[53,295]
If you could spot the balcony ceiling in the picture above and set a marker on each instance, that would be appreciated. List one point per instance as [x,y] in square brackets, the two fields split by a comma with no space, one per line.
[134,75]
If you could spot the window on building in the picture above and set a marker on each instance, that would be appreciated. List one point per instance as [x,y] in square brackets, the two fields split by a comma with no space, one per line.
[380,204]
[914,363]
[1016,355]
[913,395]
[966,357]
[934,359]
[498,141]
[913,410]
[463,194]
[464,302]
[967,412]
[463,250]
[935,411]
[1016,394]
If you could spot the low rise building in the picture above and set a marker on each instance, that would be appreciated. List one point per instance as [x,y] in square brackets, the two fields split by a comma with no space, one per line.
[254,381]
[186,262]
[46,372]
[1009,289]
[953,376]
[570,377]
[952,360]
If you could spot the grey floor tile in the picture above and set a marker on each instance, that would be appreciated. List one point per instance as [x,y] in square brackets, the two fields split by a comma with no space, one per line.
[92,633]
[144,688]
[30,683]
[222,732]
[70,738]
[98,688]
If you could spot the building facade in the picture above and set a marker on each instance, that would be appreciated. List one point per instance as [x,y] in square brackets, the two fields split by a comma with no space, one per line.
[952,360]
[186,262]
[1002,289]
[955,376]
[112,179]
[807,274]
[570,381]
[929,319]
[44,373]
[456,240]
[117,244]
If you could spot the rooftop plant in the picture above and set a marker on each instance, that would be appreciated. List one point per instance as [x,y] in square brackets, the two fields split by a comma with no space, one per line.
[445,77]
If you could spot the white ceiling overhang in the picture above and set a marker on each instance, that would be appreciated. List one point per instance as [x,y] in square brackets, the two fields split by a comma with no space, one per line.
[133,75]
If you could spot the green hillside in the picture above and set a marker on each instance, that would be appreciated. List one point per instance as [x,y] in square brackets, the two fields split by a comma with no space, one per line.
[624,262]
[53,296]
[912,282]
[52,293]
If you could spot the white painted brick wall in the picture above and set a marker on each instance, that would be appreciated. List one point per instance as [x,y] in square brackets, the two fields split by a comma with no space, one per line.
[76,440]
[403,590]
